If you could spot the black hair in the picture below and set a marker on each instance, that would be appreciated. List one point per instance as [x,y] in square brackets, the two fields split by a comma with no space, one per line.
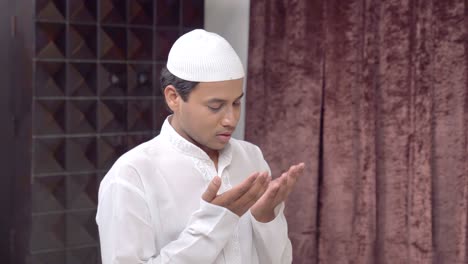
[182,87]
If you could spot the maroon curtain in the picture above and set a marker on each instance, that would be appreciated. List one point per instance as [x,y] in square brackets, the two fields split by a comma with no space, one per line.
[372,95]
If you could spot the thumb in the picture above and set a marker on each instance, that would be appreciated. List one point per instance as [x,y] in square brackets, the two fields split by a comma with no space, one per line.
[212,189]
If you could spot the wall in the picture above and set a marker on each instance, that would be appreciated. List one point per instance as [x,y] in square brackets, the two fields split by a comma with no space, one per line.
[230,19]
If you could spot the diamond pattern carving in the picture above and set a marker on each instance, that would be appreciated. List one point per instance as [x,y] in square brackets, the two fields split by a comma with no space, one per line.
[49,116]
[111,148]
[140,80]
[157,79]
[50,79]
[96,68]
[49,155]
[168,12]
[82,79]
[112,115]
[82,191]
[50,40]
[140,115]
[135,140]
[48,231]
[193,13]
[113,79]
[48,193]
[82,116]
[82,41]
[113,11]
[50,9]
[113,43]
[164,41]
[161,112]
[83,10]
[81,228]
[140,42]
[81,154]
[141,12]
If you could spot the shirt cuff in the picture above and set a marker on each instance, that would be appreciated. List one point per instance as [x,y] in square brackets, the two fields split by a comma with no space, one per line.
[278,211]
[218,210]
[271,238]
[214,219]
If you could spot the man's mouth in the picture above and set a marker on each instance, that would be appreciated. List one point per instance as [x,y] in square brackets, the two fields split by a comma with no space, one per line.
[224,137]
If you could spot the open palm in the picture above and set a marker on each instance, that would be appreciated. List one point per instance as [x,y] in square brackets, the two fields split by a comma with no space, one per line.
[276,193]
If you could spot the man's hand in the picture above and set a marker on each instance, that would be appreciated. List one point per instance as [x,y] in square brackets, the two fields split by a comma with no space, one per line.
[240,198]
[277,192]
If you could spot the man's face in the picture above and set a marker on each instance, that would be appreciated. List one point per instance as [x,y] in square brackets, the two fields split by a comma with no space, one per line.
[210,115]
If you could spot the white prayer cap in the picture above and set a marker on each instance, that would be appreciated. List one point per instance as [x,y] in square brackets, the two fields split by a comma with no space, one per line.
[202,56]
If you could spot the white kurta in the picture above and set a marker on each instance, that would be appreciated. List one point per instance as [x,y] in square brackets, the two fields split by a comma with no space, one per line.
[150,208]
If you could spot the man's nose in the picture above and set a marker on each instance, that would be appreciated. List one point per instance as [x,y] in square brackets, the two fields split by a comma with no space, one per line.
[229,118]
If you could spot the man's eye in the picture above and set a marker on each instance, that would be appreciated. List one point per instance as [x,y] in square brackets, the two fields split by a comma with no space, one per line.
[214,109]
[237,103]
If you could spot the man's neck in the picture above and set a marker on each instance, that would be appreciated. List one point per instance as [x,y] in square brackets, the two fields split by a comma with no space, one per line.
[213,154]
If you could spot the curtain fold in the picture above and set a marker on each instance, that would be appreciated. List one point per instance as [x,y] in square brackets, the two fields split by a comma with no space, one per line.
[372,95]
[286,70]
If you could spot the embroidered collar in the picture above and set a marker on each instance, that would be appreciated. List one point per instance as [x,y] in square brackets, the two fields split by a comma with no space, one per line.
[190,149]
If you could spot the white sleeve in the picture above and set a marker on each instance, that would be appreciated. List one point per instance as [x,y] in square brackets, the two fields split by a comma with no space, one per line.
[127,235]
[271,239]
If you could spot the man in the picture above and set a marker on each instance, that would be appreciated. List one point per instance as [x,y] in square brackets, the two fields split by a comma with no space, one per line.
[193,194]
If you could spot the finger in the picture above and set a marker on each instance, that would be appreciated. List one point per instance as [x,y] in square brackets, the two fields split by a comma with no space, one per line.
[283,190]
[250,197]
[294,172]
[273,189]
[300,167]
[233,194]
[279,179]
[212,189]
[272,192]
[289,182]
[298,171]
[292,169]
[245,185]
[259,194]
[264,188]
[292,177]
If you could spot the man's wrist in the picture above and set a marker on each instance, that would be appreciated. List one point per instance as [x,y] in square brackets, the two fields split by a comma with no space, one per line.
[264,217]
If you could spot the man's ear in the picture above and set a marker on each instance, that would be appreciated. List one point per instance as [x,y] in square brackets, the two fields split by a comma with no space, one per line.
[172,98]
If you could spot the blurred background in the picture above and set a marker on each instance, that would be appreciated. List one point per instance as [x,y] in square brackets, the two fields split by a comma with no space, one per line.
[371,94]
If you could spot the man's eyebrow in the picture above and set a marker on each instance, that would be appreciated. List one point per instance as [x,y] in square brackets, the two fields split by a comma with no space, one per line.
[218,100]
[242,95]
